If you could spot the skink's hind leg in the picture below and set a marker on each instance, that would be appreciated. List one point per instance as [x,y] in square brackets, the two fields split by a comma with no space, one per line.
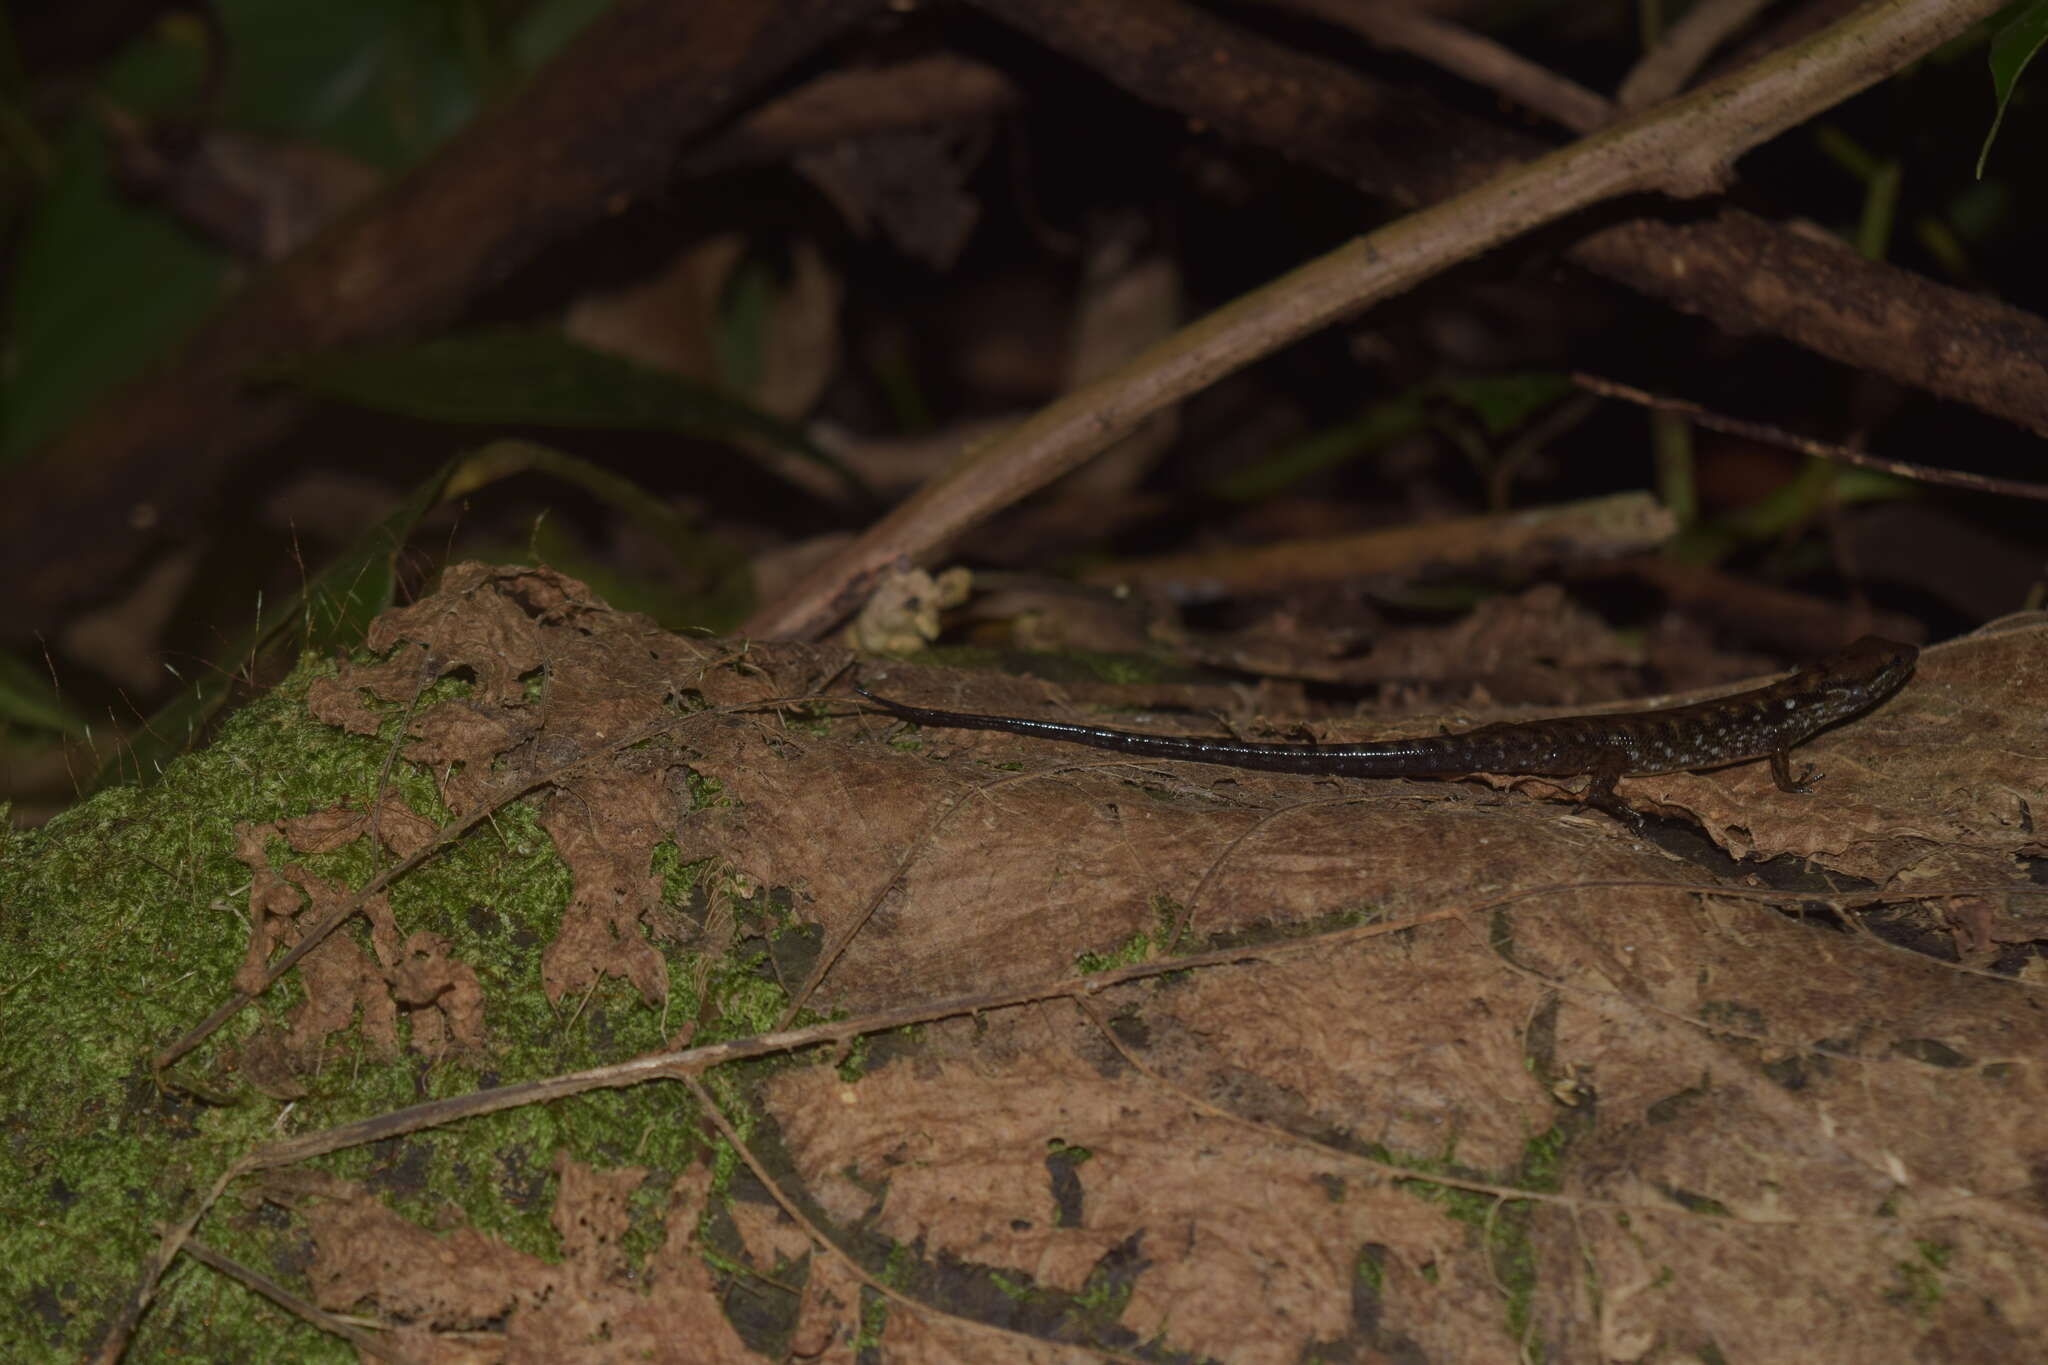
[1781,772]
[1599,794]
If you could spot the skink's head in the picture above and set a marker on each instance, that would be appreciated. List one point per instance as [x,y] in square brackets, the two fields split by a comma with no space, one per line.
[1866,672]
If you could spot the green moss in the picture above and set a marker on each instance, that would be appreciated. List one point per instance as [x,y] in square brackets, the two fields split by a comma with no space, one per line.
[854,1064]
[1164,937]
[1918,1282]
[1133,950]
[124,922]
[874,1314]
[1503,1224]
[1543,1158]
[1104,1297]
[1015,1290]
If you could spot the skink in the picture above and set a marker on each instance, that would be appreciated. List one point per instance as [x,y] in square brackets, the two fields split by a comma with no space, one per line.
[1764,723]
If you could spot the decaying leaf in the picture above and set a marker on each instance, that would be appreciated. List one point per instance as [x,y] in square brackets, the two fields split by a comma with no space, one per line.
[1463,1071]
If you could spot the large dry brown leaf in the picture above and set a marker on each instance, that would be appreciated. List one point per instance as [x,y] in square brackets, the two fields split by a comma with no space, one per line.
[1741,1131]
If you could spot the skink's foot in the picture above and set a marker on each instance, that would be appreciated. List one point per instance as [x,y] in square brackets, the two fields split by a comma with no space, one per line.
[1599,794]
[1781,773]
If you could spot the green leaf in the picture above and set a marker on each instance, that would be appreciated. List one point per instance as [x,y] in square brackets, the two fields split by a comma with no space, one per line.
[1503,402]
[98,289]
[1400,416]
[2012,48]
[745,306]
[537,377]
[384,81]
[28,698]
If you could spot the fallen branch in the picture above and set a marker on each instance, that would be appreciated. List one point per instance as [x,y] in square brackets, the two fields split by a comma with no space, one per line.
[1684,148]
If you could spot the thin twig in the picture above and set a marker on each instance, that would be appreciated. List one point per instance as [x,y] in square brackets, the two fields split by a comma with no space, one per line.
[1826,450]
[369,1343]
[1471,56]
[115,1343]
[696,1060]
[1685,46]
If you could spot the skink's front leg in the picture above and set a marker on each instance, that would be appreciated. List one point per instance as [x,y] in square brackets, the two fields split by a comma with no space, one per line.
[1781,772]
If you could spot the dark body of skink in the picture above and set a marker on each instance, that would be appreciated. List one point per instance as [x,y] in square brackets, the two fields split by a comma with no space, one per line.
[1765,723]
